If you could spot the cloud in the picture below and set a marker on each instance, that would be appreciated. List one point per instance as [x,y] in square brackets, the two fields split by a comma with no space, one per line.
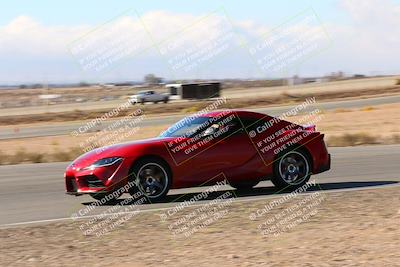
[381,12]
[368,42]
[379,20]
[24,36]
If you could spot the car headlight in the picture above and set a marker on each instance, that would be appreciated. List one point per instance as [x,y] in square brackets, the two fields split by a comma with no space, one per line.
[105,162]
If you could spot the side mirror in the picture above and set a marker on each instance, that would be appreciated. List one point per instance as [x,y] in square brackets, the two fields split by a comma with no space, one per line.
[210,130]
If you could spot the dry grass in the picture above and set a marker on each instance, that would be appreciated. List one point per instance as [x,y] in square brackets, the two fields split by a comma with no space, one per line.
[367,108]
[191,109]
[352,140]
[396,139]
[61,155]
[2,158]
[22,156]
[383,121]
[358,139]
[342,110]
[35,157]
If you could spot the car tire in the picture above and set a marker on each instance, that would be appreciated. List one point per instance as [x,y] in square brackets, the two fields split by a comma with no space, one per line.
[243,186]
[166,100]
[152,178]
[292,169]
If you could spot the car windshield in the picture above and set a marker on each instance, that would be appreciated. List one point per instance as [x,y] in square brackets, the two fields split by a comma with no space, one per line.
[186,127]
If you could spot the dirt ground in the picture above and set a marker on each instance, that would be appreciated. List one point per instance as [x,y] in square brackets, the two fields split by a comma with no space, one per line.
[332,123]
[354,228]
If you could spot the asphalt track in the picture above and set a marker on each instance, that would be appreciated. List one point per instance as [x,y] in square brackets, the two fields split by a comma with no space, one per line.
[34,193]
[67,128]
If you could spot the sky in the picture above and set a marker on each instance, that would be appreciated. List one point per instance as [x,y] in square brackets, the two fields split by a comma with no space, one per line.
[106,41]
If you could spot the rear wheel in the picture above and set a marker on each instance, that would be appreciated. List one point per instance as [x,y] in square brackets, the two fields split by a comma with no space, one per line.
[292,169]
[152,178]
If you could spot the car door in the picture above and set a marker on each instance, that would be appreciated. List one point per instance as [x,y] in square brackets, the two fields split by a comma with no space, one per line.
[229,148]
[148,96]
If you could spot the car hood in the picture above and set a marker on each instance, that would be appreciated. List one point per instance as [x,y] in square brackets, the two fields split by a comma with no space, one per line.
[117,150]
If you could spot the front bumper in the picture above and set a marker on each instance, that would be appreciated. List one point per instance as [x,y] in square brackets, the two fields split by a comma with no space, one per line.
[103,179]
[80,186]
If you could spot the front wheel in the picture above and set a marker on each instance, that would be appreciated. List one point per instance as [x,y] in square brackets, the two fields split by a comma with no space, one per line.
[291,170]
[152,178]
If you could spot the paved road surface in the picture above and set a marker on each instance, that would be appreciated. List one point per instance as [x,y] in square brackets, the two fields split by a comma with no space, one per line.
[35,192]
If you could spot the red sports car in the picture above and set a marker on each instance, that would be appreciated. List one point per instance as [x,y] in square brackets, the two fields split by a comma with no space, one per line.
[239,147]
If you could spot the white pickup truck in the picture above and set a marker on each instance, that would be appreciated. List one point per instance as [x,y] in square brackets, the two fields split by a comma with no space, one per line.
[148,96]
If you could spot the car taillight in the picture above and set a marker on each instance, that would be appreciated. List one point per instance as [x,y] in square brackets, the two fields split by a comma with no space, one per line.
[310,128]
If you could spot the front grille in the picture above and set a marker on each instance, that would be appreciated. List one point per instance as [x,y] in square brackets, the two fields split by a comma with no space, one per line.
[92,181]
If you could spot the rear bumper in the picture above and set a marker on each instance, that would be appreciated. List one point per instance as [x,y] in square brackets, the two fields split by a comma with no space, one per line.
[326,166]
[321,159]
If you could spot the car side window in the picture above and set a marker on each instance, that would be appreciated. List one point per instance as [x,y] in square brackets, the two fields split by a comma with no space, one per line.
[247,122]
[235,127]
